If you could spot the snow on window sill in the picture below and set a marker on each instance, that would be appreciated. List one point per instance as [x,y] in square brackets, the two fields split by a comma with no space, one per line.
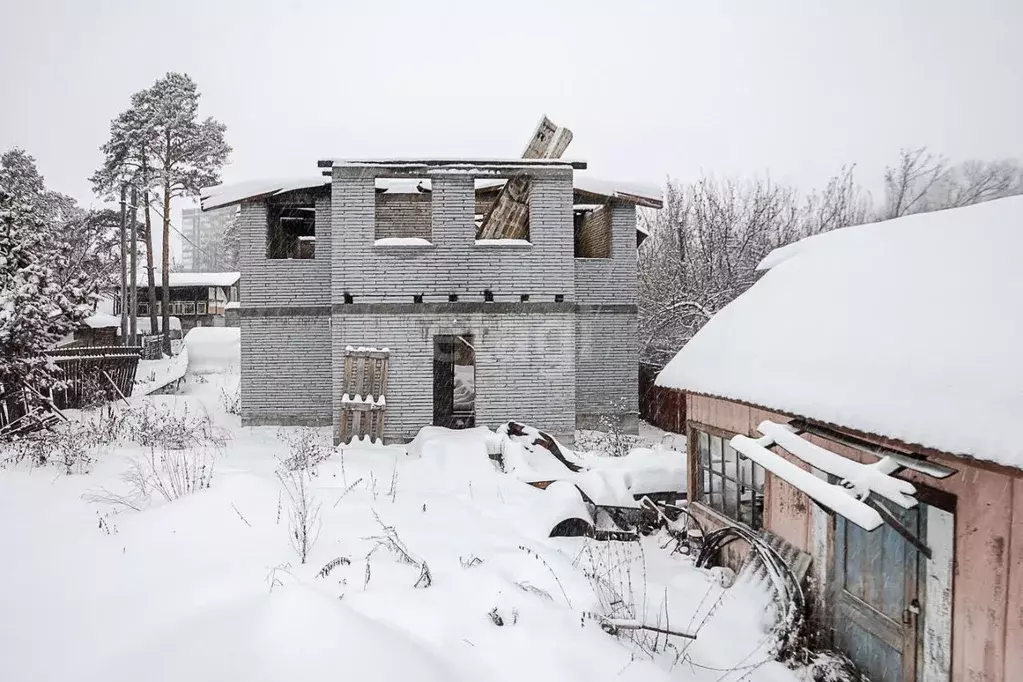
[403,241]
[519,243]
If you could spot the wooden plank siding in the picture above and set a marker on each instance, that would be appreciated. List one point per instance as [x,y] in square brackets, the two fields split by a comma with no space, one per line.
[1014,604]
[664,408]
[987,597]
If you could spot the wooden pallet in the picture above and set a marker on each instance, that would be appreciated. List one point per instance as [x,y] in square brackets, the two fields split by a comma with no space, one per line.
[364,387]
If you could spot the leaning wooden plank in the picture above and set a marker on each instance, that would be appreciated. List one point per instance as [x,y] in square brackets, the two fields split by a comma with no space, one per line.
[508,217]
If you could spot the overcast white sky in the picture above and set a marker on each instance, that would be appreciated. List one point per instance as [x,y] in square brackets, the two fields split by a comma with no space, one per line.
[650,88]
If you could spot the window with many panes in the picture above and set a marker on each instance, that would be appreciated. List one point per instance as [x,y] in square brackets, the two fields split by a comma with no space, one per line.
[730,483]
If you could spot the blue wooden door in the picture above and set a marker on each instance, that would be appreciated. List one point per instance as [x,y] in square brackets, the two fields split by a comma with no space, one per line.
[876,598]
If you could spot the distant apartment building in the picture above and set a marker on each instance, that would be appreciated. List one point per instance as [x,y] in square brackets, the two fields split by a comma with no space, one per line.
[203,239]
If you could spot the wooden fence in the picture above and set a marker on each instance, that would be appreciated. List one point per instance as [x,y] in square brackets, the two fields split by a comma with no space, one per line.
[664,408]
[91,375]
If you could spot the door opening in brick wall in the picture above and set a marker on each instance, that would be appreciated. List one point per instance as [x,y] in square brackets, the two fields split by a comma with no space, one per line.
[454,381]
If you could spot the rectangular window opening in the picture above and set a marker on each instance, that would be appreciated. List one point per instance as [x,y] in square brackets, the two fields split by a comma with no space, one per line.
[291,229]
[592,230]
[730,483]
[454,381]
[403,214]
[503,213]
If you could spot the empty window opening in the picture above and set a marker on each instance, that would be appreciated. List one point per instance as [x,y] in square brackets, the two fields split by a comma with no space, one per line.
[454,381]
[452,297]
[592,231]
[291,229]
[559,298]
[404,209]
[524,297]
[503,213]
[349,298]
[417,298]
[488,295]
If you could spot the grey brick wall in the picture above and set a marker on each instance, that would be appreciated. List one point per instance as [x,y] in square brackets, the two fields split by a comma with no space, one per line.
[268,282]
[285,372]
[537,367]
[525,366]
[611,280]
[454,263]
[285,360]
[403,215]
[607,368]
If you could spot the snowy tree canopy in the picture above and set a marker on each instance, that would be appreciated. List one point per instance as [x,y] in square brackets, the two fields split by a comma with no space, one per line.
[706,242]
[43,292]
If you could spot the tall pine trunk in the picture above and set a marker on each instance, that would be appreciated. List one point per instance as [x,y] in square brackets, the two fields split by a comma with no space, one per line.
[149,266]
[166,268]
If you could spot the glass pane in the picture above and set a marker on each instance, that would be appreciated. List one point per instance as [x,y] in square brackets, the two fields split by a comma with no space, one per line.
[705,489]
[758,511]
[731,461]
[745,470]
[746,505]
[703,447]
[731,499]
[715,453]
[716,493]
[758,477]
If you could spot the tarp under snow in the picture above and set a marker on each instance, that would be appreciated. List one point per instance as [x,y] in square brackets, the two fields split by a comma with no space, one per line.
[911,329]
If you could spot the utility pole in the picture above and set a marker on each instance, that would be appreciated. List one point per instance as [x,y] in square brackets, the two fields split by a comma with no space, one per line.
[133,285]
[124,270]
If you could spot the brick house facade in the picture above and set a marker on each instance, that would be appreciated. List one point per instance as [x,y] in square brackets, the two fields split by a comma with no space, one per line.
[554,336]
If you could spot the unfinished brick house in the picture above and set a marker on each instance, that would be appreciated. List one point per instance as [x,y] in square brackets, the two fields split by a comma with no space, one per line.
[390,255]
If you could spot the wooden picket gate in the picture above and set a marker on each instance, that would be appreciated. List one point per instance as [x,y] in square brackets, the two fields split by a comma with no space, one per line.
[364,387]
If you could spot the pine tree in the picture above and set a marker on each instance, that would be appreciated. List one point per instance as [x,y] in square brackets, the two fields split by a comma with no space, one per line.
[161,143]
[126,161]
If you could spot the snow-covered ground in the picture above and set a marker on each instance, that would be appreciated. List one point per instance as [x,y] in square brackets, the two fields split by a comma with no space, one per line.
[209,587]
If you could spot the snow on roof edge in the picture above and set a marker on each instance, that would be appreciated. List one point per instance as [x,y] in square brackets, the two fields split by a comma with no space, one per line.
[862,366]
[223,195]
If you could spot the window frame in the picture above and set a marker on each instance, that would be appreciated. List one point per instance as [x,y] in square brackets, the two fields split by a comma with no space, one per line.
[721,488]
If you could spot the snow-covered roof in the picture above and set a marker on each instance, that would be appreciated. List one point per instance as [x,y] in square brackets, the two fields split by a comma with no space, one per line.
[632,192]
[101,321]
[143,327]
[910,329]
[191,279]
[225,195]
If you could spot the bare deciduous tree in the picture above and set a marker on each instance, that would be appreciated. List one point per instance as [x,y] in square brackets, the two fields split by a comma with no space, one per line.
[922,182]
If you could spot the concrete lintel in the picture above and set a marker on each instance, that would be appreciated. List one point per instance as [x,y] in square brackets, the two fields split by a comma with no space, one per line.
[286,311]
[285,420]
[458,308]
[441,308]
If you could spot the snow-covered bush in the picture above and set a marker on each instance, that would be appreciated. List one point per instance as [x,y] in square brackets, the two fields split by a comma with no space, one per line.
[168,473]
[231,400]
[303,511]
[173,473]
[390,541]
[72,445]
[307,449]
[164,428]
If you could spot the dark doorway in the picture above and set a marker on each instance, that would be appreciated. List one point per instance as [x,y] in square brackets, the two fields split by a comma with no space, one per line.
[454,381]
